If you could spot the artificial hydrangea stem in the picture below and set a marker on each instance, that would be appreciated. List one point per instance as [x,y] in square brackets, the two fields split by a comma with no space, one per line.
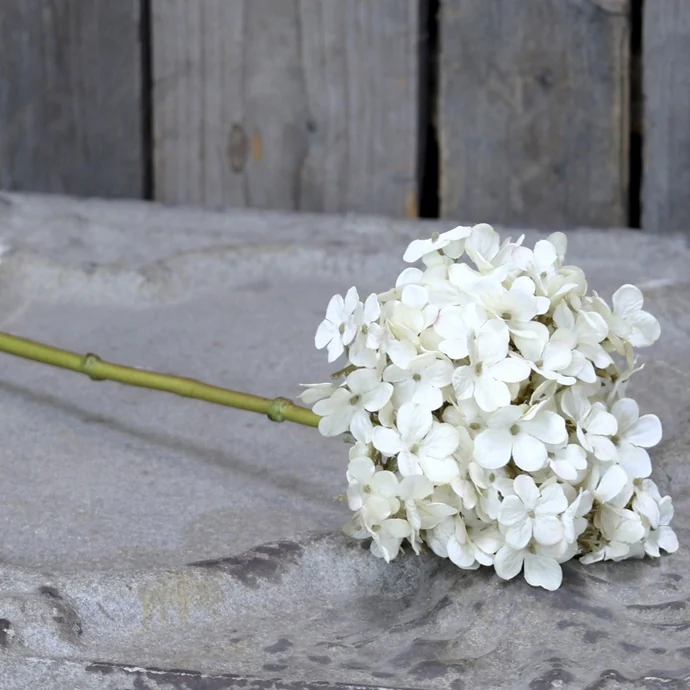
[277,409]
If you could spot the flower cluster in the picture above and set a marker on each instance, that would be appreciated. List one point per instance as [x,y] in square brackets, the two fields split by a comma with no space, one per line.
[487,413]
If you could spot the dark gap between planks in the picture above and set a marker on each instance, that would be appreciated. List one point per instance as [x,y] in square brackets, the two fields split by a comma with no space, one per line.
[635,162]
[428,98]
[146,50]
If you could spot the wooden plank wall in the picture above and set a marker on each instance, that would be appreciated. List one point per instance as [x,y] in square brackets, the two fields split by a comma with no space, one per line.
[70,97]
[666,86]
[308,105]
[533,111]
[321,105]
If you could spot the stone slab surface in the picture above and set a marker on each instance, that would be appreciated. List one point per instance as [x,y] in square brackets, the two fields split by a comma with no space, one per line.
[155,542]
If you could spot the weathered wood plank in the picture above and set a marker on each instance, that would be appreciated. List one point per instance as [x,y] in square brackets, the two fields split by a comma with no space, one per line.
[533,111]
[307,105]
[666,85]
[70,97]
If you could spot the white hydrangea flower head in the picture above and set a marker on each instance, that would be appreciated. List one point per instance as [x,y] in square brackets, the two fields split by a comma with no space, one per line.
[484,395]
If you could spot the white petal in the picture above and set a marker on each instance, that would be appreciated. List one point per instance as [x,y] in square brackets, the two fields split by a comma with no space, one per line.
[439,470]
[492,342]
[645,505]
[548,530]
[396,528]
[335,349]
[335,312]
[512,511]
[611,484]
[461,554]
[417,249]
[325,333]
[545,254]
[428,396]
[377,508]
[667,539]
[556,356]
[645,329]
[527,490]
[414,422]
[492,448]
[564,470]
[491,394]
[361,469]
[510,370]
[336,423]
[601,422]
[603,448]
[415,487]
[455,349]
[626,411]
[415,296]
[441,441]
[387,441]
[361,426]
[362,381]
[463,382]
[385,484]
[630,529]
[529,453]
[439,374]
[508,562]
[395,374]
[372,309]
[543,572]
[574,404]
[645,432]
[351,300]
[376,398]
[552,502]
[401,352]
[547,426]
[634,460]
[408,464]
[627,300]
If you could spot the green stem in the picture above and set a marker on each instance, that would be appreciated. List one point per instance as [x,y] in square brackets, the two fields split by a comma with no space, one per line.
[276,409]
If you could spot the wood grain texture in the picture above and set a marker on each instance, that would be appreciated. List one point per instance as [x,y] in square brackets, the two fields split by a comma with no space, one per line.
[70,97]
[666,85]
[533,111]
[287,104]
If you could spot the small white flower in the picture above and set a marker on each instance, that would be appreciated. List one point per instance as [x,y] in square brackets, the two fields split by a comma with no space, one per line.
[363,350]
[422,445]
[388,537]
[339,327]
[516,306]
[349,407]
[606,486]
[532,513]
[634,434]
[513,433]
[595,424]
[374,494]
[549,357]
[642,329]
[662,536]
[490,369]
[316,391]
[473,542]
[540,570]
[621,530]
[451,241]
[421,382]
[568,462]
[573,518]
